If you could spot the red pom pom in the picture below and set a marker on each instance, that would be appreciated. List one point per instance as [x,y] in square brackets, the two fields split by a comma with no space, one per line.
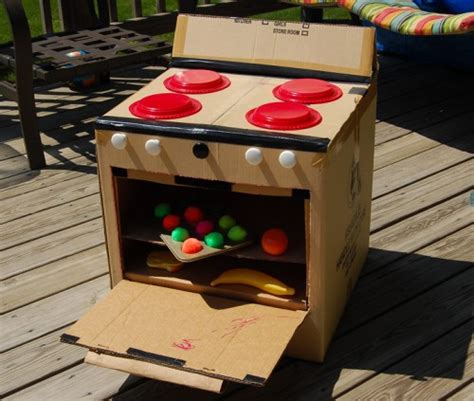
[170,222]
[193,214]
[191,245]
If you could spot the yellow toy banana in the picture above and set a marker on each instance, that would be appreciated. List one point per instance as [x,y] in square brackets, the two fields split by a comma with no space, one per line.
[254,278]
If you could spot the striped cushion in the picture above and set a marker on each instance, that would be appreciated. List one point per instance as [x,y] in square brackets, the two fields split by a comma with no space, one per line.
[310,2]
[406,18]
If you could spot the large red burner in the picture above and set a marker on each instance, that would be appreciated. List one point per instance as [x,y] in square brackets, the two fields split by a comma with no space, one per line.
[307,91]
[283,116]
[163,106]
[196,81]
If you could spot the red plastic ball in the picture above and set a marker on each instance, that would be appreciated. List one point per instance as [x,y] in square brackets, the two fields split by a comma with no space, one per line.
[193,214]
[275,242]
[171,221]
[192,245]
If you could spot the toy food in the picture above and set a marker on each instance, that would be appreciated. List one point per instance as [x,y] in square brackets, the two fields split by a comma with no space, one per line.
[171,221]
[255,279]
[237,234]
[226,222]
[204,227]
[192,245]
[214,240]
[163,260]
[161,210]
[180,234]
[193,214]
[274,242]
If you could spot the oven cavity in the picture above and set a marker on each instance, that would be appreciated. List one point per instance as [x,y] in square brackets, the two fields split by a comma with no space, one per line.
[205,237]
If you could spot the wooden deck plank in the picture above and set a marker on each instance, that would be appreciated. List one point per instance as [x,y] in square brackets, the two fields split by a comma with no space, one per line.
[411,275]
[421,120]
[52,278]
[30,181]
[465,393]
[436,369]
[83,382]
[46,315]
[36,360]
[50,248]
[51,220]
[418,231]
[413,143]
[62,153]
[355,358]
[422,165]
[48,197]
[421,195]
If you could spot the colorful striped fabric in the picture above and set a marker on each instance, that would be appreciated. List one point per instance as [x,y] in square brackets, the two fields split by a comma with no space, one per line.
[406,18]
[312,2]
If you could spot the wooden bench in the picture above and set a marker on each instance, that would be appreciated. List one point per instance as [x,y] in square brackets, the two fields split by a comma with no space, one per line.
[98,42]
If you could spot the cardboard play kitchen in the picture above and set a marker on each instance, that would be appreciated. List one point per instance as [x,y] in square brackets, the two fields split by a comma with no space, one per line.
[270,124]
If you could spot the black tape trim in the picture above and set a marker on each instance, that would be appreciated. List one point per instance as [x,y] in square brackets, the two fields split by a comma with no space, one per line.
[263,69]
[165,360]
[300,193]
[67,338]
[212,133]
[119,172]
[254,380]
[197,182]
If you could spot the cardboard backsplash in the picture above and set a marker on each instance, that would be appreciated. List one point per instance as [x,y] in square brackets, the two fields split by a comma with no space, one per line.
[329,48]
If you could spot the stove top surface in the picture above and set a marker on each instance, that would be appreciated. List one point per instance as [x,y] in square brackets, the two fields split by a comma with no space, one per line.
[234,102]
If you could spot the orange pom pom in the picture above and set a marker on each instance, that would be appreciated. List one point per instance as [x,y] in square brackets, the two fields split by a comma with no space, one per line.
[191,245]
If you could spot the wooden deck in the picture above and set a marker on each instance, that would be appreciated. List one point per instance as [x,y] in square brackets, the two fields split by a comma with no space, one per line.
[407,331]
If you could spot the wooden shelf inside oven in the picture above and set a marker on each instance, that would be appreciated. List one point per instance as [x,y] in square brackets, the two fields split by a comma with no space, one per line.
[197,276]
[150,232]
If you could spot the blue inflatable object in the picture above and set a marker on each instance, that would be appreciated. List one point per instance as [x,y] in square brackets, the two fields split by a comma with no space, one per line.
[459,6]
[454,51]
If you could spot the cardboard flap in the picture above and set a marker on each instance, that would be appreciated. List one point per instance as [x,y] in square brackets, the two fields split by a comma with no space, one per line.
[157,372]
[209,335]
[319,47]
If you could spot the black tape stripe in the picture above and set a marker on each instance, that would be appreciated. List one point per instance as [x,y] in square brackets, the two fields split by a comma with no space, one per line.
[254,380]
[156,358]
[265,70]
[67,338]
[212,133]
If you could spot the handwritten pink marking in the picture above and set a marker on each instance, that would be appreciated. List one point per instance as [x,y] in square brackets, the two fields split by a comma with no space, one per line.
[184,344]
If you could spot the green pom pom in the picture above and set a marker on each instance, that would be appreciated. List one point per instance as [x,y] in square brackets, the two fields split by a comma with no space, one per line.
[237,234]
[162,210]
[214,240]
[179,234]
[226,222]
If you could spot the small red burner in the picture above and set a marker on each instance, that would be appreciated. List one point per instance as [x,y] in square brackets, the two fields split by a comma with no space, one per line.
[283,116]
[163,106]
[196,81]
[308,91]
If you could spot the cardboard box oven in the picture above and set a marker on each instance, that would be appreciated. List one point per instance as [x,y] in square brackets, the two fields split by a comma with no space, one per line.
[177,328]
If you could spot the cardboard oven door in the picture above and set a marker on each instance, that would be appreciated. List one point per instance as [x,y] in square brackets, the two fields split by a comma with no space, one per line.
[182,337]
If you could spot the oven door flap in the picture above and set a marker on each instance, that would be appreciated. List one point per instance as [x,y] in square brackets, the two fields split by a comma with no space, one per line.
[201,334]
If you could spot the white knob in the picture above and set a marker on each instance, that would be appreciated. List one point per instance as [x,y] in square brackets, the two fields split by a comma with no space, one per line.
[254,156]
[119,141]
[287,159]
[153,147]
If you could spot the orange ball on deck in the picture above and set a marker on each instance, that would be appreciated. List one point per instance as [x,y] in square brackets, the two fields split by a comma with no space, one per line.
[274,242]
